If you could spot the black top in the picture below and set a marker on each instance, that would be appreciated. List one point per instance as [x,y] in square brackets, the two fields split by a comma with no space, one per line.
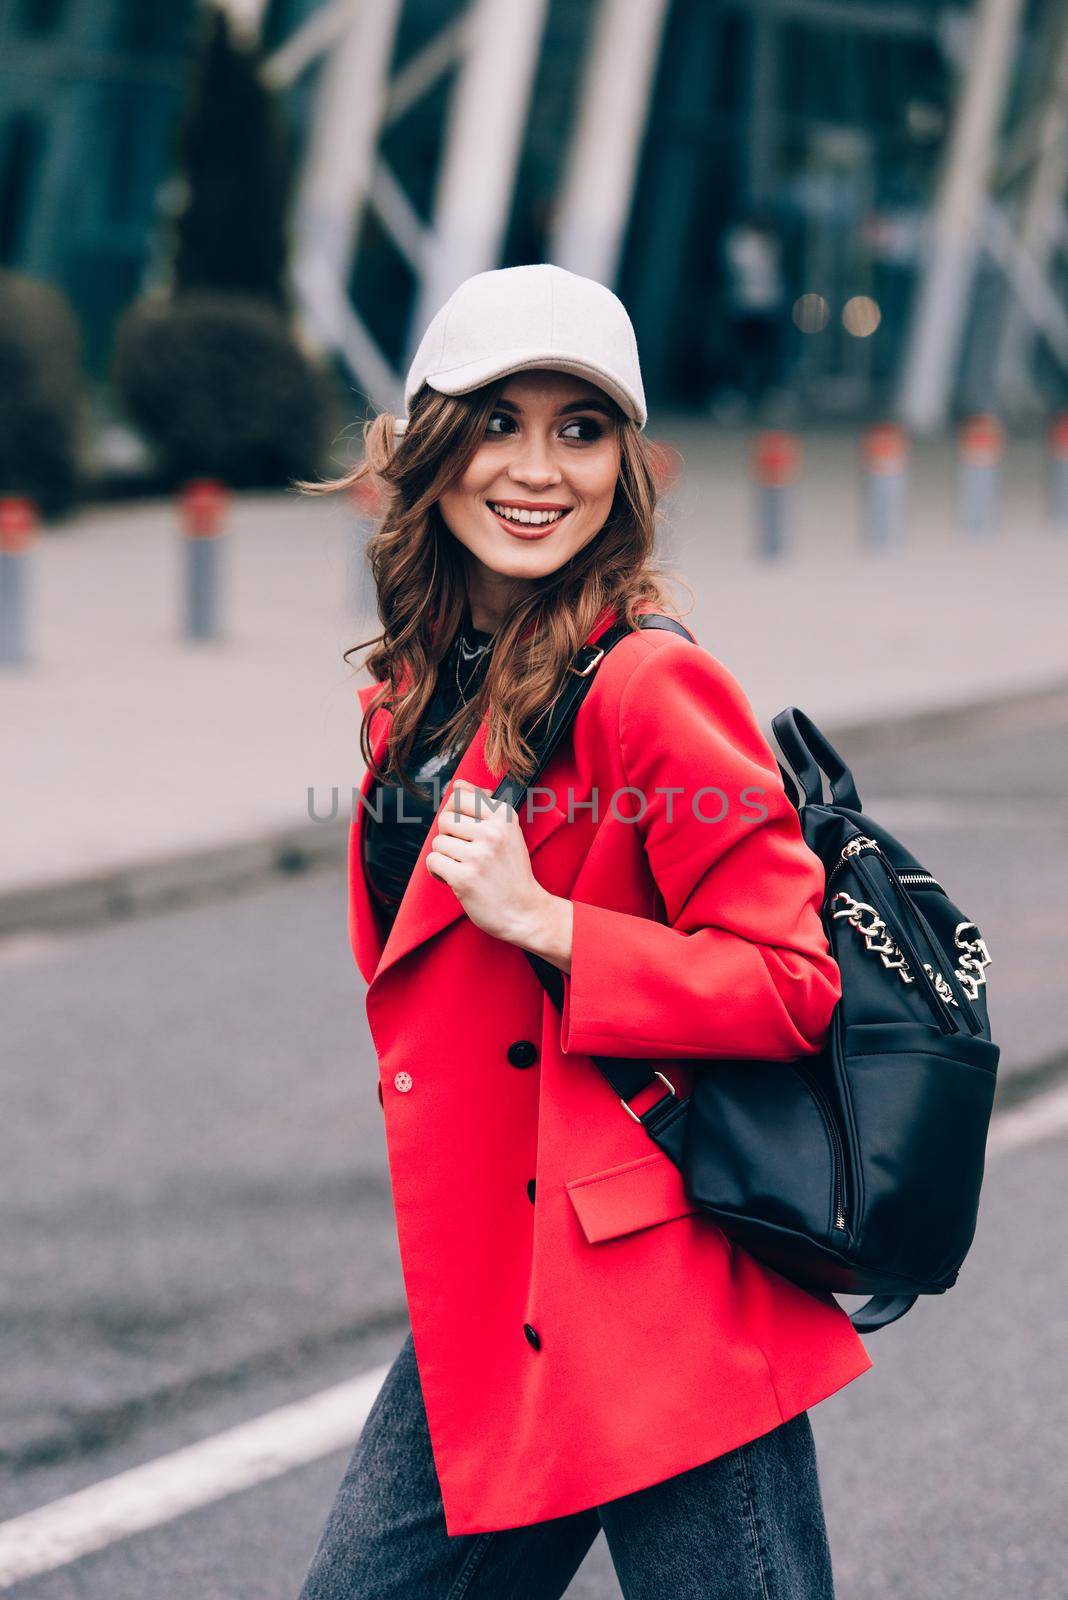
[396,824]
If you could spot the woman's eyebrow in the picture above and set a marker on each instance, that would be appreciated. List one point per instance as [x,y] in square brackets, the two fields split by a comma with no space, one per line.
[587,405]
[572,405]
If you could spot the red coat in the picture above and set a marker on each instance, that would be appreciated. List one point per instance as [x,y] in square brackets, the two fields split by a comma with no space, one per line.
[655,1344]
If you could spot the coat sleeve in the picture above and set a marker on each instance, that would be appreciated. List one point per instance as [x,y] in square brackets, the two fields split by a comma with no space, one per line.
[741,966]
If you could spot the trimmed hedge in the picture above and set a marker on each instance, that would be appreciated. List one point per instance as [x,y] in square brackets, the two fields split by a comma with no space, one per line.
[41,393]
[220,388]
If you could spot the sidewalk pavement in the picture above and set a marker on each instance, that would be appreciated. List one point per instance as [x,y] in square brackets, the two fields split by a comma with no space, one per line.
[139,767]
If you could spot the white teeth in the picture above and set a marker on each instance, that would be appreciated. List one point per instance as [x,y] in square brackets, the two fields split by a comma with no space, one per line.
[514,514]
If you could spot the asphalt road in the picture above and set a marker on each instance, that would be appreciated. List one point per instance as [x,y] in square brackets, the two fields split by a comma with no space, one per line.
[198,1226]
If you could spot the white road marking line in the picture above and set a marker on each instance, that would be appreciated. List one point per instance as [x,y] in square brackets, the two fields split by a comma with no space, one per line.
[1044,1117]
[292,1436]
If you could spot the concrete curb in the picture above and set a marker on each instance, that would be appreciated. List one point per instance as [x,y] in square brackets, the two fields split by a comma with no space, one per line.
[991,711]
[167,882]
[190,876]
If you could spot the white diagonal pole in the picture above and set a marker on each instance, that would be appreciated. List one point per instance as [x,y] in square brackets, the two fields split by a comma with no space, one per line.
[937,326]
[1036,235]
[344,139]
[598,188]
[483,139]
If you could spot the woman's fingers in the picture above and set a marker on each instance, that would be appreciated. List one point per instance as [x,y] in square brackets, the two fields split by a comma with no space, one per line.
[449,845]
[468,808]
[438,865]
[459,827]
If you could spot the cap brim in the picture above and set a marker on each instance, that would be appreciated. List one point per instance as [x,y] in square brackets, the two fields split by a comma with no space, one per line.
[461,380]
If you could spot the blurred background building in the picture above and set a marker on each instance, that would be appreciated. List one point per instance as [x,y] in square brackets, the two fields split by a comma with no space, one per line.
[856,204]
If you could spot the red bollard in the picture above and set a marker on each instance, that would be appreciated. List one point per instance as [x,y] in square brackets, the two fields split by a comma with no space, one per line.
[776,466]
[981,445]
[18,530]
[884,459]
[203,503]
[1057,475]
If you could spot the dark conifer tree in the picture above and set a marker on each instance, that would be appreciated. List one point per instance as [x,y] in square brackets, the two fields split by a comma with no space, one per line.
[231,231]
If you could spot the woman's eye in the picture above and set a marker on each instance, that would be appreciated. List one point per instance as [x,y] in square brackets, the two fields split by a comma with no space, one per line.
[501,424]
[593,429]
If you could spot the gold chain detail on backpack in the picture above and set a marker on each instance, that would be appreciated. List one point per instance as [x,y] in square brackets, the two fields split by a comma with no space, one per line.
[970,973]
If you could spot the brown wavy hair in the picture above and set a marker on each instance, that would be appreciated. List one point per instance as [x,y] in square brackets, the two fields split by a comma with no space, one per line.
[418,572]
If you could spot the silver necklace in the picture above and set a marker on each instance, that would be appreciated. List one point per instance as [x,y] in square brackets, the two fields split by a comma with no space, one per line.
[472,654]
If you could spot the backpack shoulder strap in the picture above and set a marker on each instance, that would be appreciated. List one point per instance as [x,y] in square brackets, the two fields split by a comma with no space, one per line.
[545,738]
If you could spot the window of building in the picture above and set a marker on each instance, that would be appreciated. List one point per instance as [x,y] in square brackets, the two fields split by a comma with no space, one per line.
[37,18]
[155,30]
[21,143]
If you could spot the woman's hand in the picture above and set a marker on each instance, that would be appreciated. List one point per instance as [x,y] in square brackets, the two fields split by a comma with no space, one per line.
[480,852]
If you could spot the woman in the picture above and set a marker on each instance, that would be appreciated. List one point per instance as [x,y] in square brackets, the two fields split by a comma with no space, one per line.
[585,1350]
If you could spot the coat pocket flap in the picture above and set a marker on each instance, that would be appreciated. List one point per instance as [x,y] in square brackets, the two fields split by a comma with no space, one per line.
[634,1195]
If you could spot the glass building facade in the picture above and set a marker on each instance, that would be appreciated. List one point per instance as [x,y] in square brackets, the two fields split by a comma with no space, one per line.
[823,120]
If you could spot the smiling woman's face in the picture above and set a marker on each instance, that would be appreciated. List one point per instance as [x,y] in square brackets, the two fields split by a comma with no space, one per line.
[550,458]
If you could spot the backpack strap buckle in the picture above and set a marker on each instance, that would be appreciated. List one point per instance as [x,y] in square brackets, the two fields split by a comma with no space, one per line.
[667,1084]
[584,672]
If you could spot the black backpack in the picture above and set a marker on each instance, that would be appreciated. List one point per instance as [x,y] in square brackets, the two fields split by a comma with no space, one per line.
[856,1170]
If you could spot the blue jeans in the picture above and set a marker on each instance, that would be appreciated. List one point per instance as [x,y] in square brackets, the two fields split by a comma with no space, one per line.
[746,1526]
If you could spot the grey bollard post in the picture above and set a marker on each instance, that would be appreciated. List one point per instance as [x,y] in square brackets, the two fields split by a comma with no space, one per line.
[203,505]
[884,456]
[1057,472]
[776,462]
[981,444]
[18,528]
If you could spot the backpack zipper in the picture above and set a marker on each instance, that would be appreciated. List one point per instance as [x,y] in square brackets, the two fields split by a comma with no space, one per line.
[837,1151]
[912,877]
[916,880]
[850,853]
[851,848]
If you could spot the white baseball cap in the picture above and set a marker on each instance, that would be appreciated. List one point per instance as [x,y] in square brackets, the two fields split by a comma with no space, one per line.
[516,318]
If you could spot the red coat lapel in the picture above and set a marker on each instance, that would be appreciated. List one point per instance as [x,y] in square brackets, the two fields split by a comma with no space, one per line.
[428,904]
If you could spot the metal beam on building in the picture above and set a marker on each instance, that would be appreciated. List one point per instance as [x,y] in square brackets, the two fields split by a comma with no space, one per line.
[944,295]
[344,136]
[246,15]
[483,139]
[1037,299]
[312,39]
[598,187]
[336,179]
[1035,241]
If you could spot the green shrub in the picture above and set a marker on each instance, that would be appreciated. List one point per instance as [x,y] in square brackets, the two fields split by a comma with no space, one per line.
[41,393]
[219,387]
